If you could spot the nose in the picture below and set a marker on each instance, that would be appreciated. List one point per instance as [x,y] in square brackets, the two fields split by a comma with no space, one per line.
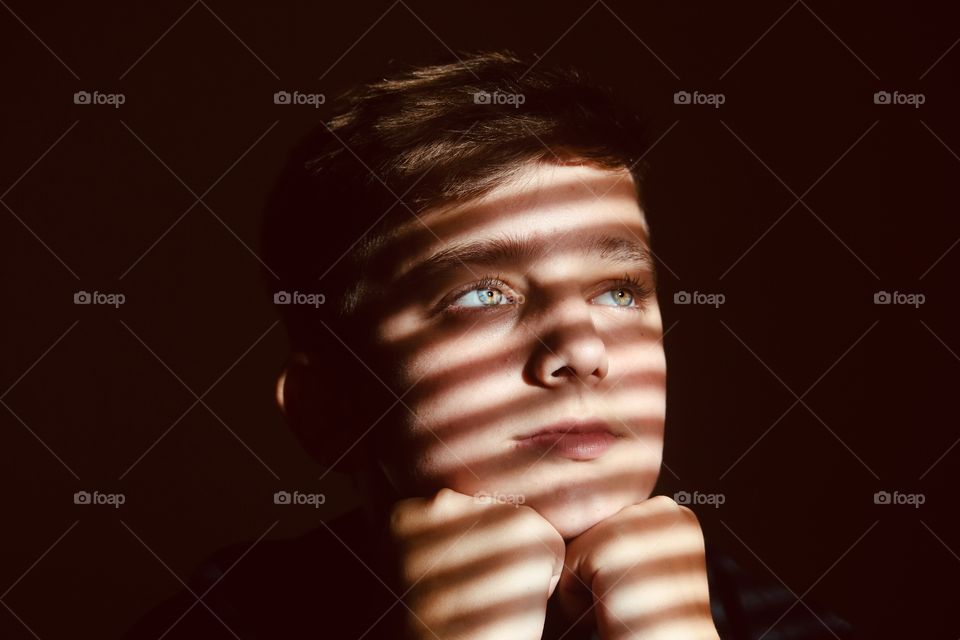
[567,347]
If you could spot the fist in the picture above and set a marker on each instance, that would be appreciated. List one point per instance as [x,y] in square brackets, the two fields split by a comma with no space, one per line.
[473,571]
[643,570]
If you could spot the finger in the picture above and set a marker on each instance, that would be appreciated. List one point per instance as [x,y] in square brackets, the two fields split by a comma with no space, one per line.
[554,581]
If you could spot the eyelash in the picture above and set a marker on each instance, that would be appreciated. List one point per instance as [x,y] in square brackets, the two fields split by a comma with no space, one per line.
[641,291]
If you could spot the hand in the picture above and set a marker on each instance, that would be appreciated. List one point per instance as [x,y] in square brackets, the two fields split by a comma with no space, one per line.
[474,571]
[646,568]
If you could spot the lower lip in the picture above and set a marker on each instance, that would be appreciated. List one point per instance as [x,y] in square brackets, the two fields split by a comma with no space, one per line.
[575,446]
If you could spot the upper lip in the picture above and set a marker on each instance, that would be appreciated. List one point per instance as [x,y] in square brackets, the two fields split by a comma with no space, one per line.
[572,425]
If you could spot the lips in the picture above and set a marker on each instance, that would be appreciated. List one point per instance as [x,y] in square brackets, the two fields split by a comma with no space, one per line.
[592,425]
[572,439]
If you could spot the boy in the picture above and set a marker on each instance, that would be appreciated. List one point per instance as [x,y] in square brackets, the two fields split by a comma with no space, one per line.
[489,365]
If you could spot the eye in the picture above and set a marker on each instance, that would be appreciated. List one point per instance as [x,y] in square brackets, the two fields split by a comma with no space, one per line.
[627,292]
[480,297]
[488,292]
[621,297]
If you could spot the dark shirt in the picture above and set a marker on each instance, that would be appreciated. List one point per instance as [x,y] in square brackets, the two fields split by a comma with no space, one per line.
[332,582]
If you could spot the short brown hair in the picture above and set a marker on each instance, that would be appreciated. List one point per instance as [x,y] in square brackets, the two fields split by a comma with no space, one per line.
[426,136]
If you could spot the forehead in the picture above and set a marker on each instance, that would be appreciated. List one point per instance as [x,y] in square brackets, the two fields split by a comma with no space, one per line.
[553,208]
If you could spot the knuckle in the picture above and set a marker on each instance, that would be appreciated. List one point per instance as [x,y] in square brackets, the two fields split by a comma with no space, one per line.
[526,511]
[398,522]
[540,528]
[670,508]
[445,498]
[403,515]
[687,513]
[444,494]
[531,518]
[689,518]
[664,502]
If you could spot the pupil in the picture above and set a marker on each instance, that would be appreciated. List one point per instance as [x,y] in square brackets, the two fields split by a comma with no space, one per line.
[489,296]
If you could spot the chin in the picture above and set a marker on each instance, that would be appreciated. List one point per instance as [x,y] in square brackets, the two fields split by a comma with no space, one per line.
[572,517]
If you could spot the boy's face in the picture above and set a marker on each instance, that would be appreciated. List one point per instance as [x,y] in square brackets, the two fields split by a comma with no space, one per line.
[480,368]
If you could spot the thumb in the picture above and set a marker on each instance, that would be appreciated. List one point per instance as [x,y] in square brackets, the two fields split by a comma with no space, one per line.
[553,584]
[559,551]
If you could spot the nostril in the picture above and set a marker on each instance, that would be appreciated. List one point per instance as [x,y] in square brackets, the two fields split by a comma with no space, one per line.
[564,371]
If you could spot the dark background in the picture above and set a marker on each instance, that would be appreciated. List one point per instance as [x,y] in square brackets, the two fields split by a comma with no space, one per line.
[797,199]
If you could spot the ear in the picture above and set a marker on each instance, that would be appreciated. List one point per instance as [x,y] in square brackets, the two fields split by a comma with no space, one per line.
[290,381]
[317,408]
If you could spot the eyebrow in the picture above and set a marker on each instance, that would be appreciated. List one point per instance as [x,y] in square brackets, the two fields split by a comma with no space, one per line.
[511,249]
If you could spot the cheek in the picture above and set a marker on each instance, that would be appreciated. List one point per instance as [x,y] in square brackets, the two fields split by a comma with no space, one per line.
[422,351]
[458,367]
[639,391]
[462,392]
[468,423]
